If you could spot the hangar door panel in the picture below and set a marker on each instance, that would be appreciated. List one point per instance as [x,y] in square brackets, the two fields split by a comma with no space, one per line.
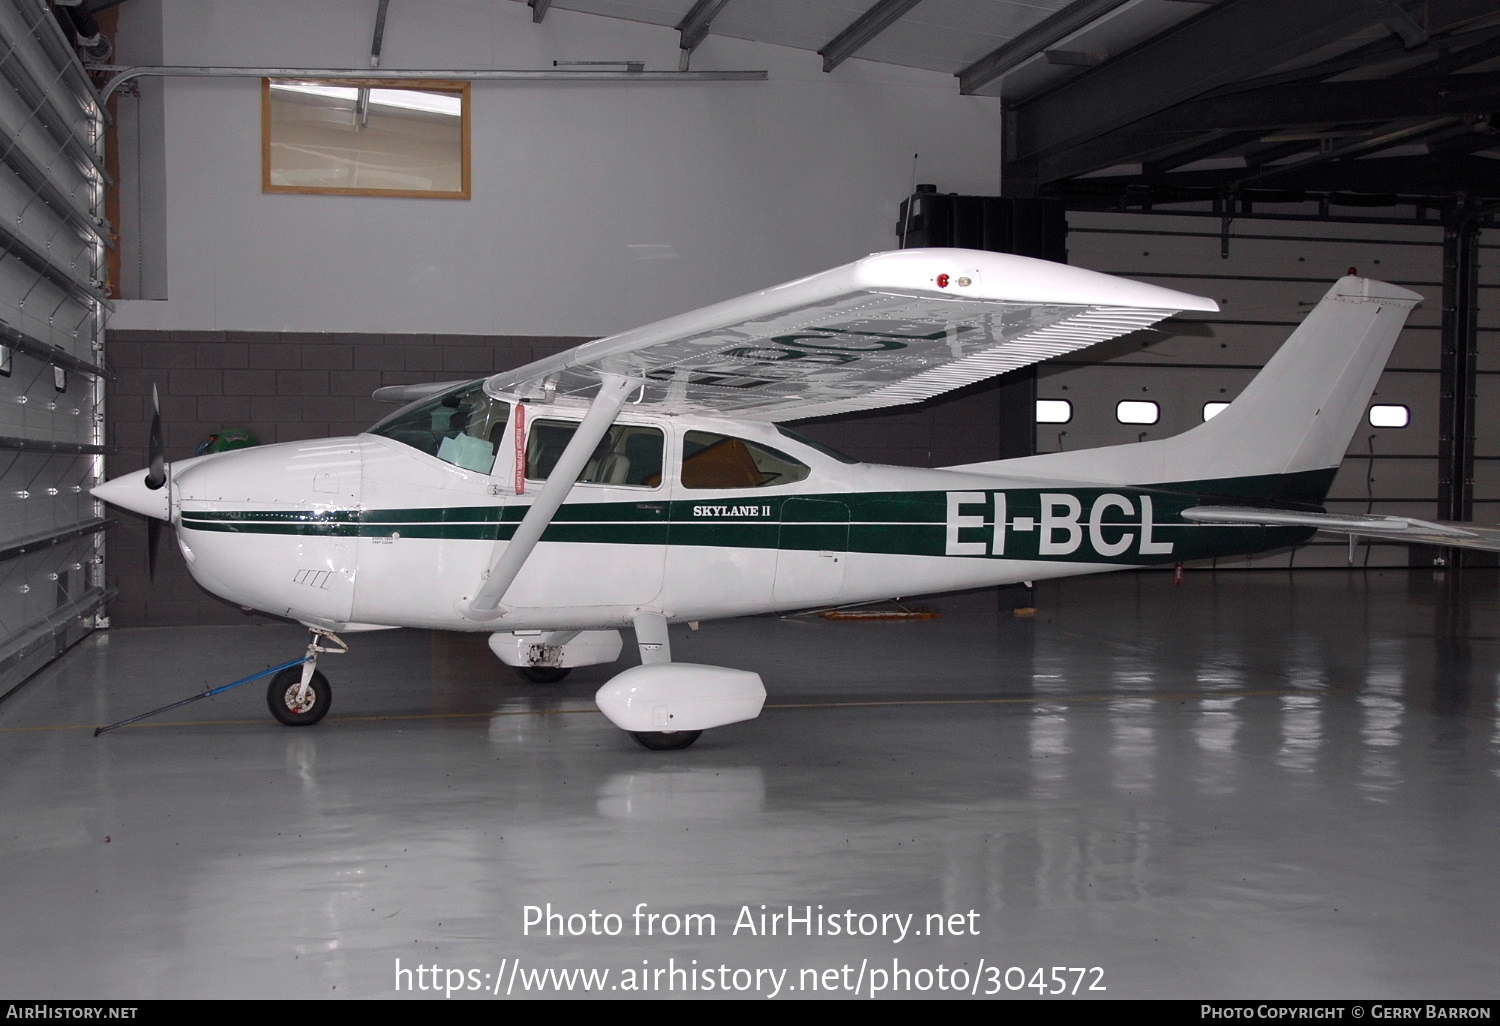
[1487,384]
[52,306]
[1266,274]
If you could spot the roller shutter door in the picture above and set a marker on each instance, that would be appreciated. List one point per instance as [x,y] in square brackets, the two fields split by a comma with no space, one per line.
[52,307]
[1266,275]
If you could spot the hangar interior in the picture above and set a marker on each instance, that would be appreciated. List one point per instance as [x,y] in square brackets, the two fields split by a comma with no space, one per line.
[1271,776]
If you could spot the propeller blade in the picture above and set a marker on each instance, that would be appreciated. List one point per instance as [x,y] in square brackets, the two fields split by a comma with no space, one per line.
[153,542]
[156,477]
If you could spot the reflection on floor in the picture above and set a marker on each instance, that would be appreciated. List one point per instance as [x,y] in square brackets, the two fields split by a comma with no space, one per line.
[1249,785]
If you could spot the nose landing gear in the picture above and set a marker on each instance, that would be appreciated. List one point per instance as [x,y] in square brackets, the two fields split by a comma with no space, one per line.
[299,696]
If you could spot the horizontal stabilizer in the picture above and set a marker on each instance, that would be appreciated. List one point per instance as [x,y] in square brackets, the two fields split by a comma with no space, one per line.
[1407,530]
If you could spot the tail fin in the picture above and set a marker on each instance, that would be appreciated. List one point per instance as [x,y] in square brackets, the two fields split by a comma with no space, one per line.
[1284,436]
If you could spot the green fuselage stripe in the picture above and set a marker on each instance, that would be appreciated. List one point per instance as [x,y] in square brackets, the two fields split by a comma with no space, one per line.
[1111,525]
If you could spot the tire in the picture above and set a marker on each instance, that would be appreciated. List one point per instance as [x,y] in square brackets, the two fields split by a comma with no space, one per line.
[665,740]
[543,674]
[284,684]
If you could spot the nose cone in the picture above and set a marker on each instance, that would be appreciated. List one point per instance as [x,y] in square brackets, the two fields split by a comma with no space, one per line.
[130,492]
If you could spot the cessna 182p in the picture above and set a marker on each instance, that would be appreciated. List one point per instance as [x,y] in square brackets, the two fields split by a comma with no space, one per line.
[645,478]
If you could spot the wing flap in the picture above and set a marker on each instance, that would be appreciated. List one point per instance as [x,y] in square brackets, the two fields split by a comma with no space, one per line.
[890,329]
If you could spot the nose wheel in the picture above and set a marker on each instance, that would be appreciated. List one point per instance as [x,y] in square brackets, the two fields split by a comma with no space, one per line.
[295,705]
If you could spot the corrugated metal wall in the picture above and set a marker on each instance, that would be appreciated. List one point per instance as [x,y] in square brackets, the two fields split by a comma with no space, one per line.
[1266,275]
[52,307]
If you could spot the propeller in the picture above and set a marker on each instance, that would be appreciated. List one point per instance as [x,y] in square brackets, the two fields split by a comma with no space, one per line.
[156,478]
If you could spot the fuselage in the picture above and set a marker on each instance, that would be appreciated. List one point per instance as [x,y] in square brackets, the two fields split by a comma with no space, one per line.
[689,516]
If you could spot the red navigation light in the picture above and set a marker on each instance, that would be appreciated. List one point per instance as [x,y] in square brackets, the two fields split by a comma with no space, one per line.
[942,281]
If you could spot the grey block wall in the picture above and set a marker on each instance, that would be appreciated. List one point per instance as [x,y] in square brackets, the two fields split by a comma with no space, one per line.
[294,385]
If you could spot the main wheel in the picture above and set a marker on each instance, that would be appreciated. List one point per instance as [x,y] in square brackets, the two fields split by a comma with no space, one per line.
[281,696]
[543,674]
[665,740]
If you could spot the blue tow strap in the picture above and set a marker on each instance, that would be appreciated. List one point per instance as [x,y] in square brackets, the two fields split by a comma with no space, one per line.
[207,694]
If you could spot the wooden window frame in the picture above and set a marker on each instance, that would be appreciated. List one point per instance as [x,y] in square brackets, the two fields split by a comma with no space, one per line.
[462,89]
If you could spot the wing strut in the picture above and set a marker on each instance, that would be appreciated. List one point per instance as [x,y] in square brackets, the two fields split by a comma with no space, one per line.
[613,390]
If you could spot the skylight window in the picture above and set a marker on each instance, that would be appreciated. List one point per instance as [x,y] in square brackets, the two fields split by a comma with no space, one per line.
[1053,411]
[1137,411]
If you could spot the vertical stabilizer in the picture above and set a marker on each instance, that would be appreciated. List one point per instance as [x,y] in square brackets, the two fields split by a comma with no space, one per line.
[1297,415]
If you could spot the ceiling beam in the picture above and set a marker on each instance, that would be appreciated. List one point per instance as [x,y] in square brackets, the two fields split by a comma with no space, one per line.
[1441,15]
[1281,150]
[1342,153]
[1226,43]
[1033,41]
[1464,50]
[1203,147]
[1444,55]
[694,25]
[1402,24]
[1438,56]
[1159,139]
[863,29]
[1330,103]
[1470,138]
[1431,176]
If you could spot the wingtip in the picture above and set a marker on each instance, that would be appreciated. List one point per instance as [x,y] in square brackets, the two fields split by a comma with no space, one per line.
[1009,277]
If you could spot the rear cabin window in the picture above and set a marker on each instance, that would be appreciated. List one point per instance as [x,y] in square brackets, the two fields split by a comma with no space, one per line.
[627,455]
[720,461]
[464,427]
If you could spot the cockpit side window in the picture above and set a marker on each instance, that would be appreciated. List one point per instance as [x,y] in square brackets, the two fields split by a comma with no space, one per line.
[720,461]
[464,427]
[628,454]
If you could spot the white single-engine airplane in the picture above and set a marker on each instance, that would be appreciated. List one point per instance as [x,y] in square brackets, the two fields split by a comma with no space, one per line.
[644,479]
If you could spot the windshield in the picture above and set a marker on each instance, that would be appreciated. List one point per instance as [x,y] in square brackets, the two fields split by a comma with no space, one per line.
[464,427]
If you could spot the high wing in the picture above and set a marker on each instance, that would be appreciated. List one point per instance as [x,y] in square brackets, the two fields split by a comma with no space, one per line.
[1407,530]
[892,328]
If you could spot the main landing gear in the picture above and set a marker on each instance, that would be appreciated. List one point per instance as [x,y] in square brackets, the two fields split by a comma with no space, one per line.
[665,740]
[666,706]
[299,696]
[542,674]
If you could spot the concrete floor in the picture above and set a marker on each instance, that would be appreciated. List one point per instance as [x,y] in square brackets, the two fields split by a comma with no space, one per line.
[1251,785]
